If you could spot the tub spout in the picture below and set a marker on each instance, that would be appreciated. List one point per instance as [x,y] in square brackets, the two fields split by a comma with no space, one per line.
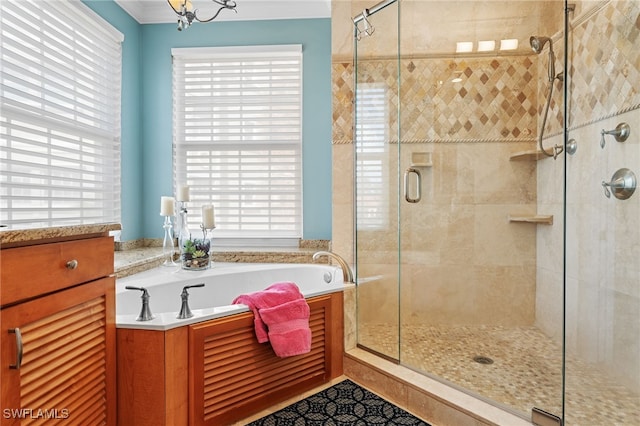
[347,274]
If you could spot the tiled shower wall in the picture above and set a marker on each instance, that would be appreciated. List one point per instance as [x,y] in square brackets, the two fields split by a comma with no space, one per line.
[603,236]
[463,261]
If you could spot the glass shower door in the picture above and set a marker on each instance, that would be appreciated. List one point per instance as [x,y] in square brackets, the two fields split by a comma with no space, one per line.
[603,234]
[376,174]
[472,93]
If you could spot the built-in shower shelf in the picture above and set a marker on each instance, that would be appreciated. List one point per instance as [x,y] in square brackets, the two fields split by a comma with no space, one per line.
[530,155]
[540,219]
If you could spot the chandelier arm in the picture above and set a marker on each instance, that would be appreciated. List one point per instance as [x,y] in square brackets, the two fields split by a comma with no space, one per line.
[230,6]
[187,15]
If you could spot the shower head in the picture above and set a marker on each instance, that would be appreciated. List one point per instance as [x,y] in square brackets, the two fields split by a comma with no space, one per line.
[538,42]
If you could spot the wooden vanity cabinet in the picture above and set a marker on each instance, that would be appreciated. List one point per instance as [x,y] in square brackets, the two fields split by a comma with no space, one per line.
[57,320]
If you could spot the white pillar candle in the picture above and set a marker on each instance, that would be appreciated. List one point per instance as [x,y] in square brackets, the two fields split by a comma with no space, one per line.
[183,193]
[167,206]
[208,220]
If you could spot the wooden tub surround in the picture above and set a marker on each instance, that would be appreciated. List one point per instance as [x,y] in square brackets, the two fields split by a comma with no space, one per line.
[215,372]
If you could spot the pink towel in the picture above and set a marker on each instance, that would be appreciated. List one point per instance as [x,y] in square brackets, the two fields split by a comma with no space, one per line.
[281,316]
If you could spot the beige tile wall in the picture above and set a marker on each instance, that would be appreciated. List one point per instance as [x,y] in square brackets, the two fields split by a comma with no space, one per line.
[465,261]
[603,237]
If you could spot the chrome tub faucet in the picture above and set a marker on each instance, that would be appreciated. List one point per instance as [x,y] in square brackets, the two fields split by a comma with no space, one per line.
[347,274]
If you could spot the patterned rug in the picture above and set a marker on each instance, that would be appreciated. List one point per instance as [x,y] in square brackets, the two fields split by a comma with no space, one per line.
[343,404]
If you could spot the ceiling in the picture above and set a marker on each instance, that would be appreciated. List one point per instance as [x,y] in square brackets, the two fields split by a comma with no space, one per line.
[159,11]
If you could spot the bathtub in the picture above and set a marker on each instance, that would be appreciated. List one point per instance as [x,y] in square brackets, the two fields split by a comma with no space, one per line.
[223,283]
[210,369]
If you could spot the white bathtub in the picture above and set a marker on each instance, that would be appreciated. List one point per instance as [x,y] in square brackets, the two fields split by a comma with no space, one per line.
[223,282]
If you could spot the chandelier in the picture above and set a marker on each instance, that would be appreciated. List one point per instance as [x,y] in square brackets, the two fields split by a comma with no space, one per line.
[187,14]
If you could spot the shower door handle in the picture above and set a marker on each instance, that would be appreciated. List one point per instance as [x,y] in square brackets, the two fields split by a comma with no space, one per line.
[407,174]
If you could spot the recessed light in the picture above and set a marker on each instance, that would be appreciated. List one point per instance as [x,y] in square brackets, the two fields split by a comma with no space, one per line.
[486,45]
[464,46]
[509,44]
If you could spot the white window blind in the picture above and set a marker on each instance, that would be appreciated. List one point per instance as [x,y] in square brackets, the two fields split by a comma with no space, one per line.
[238,138]
[60,79]
[372,194]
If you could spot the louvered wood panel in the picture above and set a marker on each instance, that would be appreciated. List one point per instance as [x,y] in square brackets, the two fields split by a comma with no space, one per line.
[64,363]
[233,374]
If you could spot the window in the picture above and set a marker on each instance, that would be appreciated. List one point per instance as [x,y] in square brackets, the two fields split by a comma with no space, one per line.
[60,115]
[371,157]
[238,139]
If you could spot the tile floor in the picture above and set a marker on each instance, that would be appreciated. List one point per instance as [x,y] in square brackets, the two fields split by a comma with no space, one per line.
[526,370]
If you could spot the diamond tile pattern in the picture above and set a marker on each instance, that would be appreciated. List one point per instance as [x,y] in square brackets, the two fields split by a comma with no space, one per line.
[605,64]
[447,99]
[501,98]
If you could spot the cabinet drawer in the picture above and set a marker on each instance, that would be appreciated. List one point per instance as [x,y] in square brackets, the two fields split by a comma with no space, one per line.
[31,271]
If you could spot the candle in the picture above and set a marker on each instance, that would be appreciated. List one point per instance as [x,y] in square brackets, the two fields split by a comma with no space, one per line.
[167,206]
[183,193]
[208,222]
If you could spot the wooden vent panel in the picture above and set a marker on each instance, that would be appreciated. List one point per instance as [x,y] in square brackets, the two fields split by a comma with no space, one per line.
[233,374]
[64,364]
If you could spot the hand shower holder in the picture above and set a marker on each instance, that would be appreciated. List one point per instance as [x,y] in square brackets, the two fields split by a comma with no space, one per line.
[620,133]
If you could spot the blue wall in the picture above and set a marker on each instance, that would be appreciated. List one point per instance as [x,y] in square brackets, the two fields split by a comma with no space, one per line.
[147,107]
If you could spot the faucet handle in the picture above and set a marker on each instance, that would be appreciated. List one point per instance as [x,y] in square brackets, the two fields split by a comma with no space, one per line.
[192,286]
[142,289]
[145,312]
[185,312]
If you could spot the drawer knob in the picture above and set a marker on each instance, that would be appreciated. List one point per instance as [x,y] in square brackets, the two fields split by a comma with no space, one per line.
[72,264]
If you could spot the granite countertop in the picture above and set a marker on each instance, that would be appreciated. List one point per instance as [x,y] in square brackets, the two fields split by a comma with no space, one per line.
[134,260]
[16,236]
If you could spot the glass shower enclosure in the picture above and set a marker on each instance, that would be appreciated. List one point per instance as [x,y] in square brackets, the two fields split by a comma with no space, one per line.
[488,253]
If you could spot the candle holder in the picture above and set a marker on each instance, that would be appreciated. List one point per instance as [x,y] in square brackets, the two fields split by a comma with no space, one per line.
[168,247]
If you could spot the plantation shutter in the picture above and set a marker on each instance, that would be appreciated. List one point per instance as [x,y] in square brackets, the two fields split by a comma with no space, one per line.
[371,157]
[60,82]
[238,138]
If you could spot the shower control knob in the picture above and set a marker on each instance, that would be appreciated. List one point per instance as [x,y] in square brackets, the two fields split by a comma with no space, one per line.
[623,184]
[620,133]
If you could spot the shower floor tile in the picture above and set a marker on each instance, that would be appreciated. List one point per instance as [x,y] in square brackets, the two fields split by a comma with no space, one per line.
[520,368]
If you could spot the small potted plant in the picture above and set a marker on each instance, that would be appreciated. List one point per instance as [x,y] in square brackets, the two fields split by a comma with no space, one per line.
[195,254]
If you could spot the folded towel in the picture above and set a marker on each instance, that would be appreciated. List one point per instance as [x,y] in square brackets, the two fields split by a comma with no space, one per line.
[288,325]
[281,315]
